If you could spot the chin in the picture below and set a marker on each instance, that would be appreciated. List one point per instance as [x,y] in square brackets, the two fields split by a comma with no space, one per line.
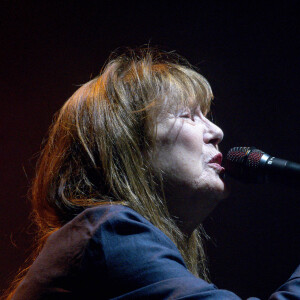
[218,189]
[223,189]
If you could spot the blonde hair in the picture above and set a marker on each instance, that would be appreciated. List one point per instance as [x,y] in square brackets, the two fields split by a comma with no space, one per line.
[99,146]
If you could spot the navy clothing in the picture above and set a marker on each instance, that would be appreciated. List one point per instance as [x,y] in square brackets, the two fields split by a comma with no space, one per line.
[112,252]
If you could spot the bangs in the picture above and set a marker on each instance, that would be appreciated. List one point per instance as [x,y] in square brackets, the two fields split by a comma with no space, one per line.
[156,82]
[181,87]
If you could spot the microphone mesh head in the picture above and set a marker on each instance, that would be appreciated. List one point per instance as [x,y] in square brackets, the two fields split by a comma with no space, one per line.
[243,163]
[237,154]
[254,158]
[235,159]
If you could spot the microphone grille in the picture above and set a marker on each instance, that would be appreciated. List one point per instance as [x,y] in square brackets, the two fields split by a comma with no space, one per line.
[237,154]
[235,160]
[254,158]
[244,163]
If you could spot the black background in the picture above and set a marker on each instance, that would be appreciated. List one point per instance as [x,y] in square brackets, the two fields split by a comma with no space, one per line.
[247,50]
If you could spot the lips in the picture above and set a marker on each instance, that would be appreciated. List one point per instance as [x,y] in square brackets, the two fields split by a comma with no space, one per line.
[216,162]
[217,159]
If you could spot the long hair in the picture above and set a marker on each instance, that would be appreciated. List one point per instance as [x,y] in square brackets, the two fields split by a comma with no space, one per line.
[100,143]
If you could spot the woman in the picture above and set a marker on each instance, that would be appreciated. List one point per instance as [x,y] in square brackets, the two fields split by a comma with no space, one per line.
[130,170]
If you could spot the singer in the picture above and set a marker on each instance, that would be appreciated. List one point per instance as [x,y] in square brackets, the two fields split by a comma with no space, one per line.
[129,171]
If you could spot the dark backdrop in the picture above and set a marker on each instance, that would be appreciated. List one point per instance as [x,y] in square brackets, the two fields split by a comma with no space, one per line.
[249,53]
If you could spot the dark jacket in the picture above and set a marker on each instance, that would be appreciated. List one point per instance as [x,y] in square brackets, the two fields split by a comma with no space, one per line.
[113,252]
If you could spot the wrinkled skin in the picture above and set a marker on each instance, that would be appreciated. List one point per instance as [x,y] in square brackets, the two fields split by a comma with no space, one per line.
[186,141]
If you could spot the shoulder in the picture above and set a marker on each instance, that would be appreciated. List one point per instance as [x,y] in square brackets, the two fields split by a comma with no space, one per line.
[118,220]
[108,219]
[112,245]
[115,236]
[127,251]
[119,232]
[109,213]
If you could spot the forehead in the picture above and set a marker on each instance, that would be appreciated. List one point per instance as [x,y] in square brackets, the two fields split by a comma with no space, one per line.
[173,105]
[177,89]
[189,94]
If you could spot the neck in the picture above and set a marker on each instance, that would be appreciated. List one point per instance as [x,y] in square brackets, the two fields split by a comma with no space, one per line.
[189,210]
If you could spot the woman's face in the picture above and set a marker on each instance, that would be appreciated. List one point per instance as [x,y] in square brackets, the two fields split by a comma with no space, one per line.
[187,153]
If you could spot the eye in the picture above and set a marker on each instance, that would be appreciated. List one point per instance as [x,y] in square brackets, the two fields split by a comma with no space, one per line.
[186,115]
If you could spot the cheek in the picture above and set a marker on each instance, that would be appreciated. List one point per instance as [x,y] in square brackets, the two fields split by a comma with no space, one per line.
[190,143]
[179,133]
[180,150]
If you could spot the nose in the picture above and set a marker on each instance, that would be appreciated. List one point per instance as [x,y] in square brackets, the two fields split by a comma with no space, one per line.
[213,134]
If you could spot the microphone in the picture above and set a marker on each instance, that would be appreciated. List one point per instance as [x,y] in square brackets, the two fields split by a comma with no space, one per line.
[251,165]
